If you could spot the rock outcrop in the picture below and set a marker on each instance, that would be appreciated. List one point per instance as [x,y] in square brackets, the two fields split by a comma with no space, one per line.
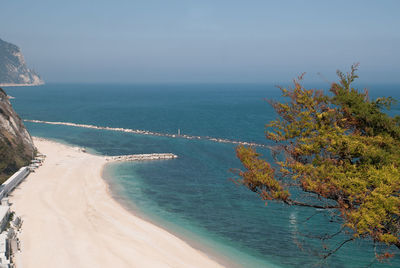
[16,145]
[13,69]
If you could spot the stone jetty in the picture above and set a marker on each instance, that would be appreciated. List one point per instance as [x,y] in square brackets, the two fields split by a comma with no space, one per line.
[141,157]
[151,133]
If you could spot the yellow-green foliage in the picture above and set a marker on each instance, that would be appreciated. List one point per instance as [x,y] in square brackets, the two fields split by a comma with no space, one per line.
[342,148]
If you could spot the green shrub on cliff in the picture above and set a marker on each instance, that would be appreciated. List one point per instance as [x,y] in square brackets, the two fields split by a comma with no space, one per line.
[16,146]
[10,160]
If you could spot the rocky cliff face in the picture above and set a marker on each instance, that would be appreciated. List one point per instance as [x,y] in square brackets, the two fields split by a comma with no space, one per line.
[13,69]
[16,145]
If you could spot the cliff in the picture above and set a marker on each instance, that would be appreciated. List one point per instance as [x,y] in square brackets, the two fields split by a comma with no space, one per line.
[16,145]
[13,69]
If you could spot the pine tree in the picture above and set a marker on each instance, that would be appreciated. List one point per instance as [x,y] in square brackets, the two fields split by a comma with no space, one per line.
[342,150]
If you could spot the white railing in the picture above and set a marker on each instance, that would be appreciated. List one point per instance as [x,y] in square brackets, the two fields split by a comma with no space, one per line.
[13,181]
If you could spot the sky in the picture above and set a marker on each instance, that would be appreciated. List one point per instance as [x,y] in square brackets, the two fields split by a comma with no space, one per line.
[204,41]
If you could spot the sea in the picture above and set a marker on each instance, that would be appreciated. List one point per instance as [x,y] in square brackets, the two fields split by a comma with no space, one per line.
[195,196]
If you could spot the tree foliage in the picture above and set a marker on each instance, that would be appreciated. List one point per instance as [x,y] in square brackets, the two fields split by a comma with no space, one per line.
[341,149]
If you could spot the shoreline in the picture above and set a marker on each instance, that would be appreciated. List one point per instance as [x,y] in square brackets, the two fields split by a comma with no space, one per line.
[71,218]
[193,239]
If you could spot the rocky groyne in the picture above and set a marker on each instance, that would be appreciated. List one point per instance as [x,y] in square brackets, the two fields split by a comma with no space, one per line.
[142,157]
[151,133]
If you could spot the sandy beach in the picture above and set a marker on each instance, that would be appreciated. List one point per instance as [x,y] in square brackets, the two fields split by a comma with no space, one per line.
[71,220]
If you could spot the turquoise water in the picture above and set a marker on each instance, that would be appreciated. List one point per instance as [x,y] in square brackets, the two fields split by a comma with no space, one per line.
[192,196]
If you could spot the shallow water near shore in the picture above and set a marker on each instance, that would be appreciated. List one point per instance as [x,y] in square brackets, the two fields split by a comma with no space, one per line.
[215,247]
[192,196]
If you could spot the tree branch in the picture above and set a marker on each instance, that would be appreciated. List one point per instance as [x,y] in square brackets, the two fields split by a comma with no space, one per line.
[336,249]
[301,204]
[308,218]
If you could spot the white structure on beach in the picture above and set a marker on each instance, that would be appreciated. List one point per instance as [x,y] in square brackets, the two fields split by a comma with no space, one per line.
[4,251]
[6,235]
[13,181]
[4,213]
[4,246]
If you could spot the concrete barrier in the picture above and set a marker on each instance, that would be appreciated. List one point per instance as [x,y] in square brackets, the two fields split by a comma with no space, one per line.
[13,181]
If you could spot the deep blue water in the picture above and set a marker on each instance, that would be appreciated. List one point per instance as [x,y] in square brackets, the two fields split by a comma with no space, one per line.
[192,196]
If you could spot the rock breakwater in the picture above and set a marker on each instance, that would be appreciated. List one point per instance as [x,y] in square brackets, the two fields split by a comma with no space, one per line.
[141,157]
[152,133]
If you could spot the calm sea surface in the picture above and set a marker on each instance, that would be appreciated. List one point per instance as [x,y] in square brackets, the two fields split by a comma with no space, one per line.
[192,196]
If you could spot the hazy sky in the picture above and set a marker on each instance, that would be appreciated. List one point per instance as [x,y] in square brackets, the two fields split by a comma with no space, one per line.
[205,40]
